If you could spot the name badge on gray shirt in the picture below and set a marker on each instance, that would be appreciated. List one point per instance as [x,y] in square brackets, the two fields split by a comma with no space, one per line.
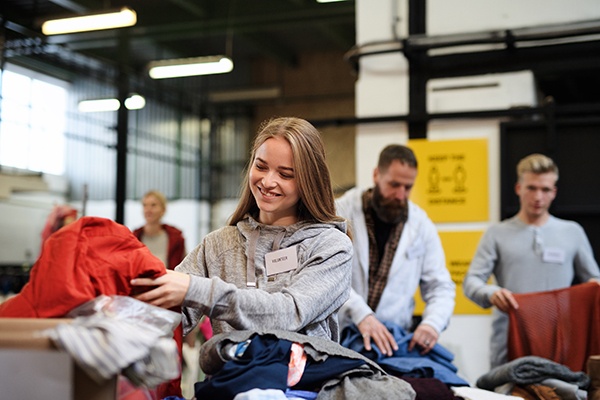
[282,260]
[553,255]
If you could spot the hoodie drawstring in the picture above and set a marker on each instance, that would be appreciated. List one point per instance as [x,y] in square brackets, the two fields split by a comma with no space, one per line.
[250,268]
[252,243]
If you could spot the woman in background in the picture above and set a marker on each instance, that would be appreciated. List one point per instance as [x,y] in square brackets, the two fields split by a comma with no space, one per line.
[167,244]
[164,241]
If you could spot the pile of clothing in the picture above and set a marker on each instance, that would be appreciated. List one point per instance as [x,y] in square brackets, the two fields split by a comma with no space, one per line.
[538,378]
[292,364]
[78,263]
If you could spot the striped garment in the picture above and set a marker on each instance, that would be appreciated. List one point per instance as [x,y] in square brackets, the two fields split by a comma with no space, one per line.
[105,346]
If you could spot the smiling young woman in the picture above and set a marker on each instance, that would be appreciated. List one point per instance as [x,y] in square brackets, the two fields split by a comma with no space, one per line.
[284,260]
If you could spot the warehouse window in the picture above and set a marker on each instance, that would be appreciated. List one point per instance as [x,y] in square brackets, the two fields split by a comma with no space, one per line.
[32,122]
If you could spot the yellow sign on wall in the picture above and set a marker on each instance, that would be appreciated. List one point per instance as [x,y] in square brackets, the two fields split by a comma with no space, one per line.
[459,248]
[452,184]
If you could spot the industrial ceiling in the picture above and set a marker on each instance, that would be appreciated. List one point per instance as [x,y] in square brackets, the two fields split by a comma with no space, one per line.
[279,30]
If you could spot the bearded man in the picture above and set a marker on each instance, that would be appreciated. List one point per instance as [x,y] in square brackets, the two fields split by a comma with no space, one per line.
[396,249]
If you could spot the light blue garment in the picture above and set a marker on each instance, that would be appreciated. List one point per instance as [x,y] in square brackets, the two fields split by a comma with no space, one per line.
[261,394]
[300,394]
[437,363]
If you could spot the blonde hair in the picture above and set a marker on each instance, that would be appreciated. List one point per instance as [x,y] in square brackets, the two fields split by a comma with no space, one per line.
[538,164]
[159,196]
[310,171]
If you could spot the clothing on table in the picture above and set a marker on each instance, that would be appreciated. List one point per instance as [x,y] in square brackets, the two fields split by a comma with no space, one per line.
[419,262]
[121,335]
[176,247]
[471,393]
[531,369]
[431,389]
[437,363]
[535,392]
[333,370]
[560,325]
[261,394]
[275,394]
[565,390]
[525,258]
[265,365]
[82,260]
[305,299]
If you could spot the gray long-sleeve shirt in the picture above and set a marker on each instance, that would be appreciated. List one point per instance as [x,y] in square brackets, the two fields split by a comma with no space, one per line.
[304,300]
[523,259]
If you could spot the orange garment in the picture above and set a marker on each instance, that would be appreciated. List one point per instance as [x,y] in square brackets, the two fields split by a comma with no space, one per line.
[296,365]
[559,325]
[79,262]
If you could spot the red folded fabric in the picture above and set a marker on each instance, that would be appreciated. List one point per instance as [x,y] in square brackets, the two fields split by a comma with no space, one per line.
[560,325]
[87,258]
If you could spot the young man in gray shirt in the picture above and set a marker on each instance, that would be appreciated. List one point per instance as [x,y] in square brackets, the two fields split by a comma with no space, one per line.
[530,252]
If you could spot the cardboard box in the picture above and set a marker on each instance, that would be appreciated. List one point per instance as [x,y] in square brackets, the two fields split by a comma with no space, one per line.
[31,367]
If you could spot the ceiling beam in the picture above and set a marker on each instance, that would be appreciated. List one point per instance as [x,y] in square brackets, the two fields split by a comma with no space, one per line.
[44,68]
[191,7]
[79,6]
[271,49]
[546,59]
[241,24]
[343,37]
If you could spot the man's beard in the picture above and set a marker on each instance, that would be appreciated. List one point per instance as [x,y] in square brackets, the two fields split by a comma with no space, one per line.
[390,211]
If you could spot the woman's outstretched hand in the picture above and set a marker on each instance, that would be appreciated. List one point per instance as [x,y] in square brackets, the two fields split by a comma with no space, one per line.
[169,290]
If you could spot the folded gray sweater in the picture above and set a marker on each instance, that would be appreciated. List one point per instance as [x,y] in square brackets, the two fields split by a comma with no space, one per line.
[531,369]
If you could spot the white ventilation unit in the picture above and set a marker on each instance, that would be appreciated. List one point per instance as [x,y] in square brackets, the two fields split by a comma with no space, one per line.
[481,92]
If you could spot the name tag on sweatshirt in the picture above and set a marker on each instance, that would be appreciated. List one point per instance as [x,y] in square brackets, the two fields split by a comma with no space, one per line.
[283,260]
[553,255]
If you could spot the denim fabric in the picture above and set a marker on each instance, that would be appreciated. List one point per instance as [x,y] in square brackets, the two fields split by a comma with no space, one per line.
[403,363]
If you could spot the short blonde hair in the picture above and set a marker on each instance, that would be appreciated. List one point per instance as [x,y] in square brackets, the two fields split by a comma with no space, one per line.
[538,164]
[159,196]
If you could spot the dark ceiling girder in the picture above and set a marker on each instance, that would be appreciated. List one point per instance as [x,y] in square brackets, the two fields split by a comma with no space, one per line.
[270,48]
[191,7]
[545,59]
[241,24]
[344,38]
[44,68]
[70,5]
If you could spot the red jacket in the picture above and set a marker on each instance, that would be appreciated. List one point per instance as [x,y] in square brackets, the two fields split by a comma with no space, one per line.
[560,325]
[87,258]
[176,251]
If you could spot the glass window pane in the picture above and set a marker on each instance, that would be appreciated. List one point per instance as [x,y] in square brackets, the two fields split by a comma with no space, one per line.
[14,139]
[32,121]
[16,87]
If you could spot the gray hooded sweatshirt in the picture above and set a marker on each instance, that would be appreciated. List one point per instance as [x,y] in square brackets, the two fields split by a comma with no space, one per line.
[304,300]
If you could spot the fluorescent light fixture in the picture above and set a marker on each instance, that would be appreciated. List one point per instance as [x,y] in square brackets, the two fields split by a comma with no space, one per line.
[99,105]
[190,67]
[134,102]
[328,1]
[92,22]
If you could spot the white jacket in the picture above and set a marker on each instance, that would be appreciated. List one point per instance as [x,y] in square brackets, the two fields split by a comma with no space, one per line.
[419,262]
